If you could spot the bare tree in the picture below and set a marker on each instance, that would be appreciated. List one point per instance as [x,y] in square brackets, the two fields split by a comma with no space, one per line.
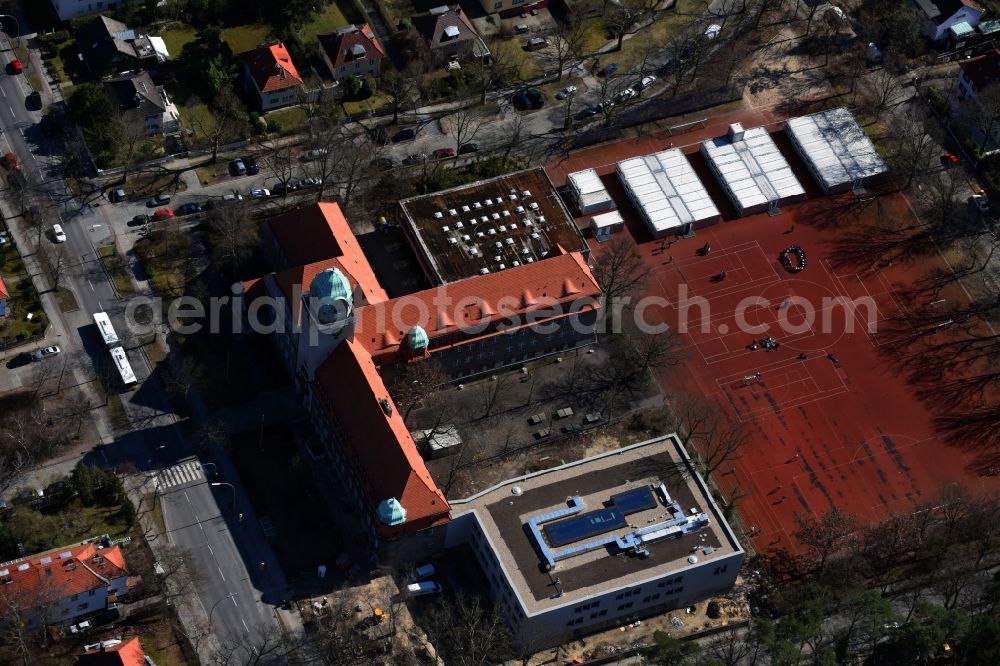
[883,91]
[417,383]
[622,17]
[260,645]
[915,149]
[227,120]
[568,43]
[281,160]
[621,274]
[232,235]
[401,90]
[983,109]
[470,632]
[824,536]
[494,393]
[465,125]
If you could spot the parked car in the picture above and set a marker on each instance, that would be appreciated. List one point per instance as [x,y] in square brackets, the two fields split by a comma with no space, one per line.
[80,627]
[386,163]
[21,359]
[311,181]
[46,352]
[139,220]
[568,91]
[712,31]
[444,153]
[609,69]
[624,95]
[251,166]
[415,158]
[981,203]
[316,153]
[588,112]
[536,44]
[9,161]
[424,571]
[646,81]
[15,66]
[280,190]
[188,209]
[58,235]
[116,195]
[207,205]
[260,193]
[238,168]
[521,28]
[162,214]
[158,200]
[404,135]
[233,196]
[33,101]
[471,147]
[423,588]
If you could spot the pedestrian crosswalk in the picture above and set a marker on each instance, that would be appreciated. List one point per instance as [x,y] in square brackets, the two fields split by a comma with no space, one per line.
[185,472]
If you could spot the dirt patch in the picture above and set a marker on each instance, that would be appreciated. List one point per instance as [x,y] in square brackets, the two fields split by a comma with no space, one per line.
[783,71]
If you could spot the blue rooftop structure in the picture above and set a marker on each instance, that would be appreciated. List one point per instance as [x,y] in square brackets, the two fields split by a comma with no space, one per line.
[333,292]
[391,512]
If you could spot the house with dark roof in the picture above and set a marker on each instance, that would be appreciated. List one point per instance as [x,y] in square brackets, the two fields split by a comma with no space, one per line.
[114,652]
[107,45]
[336,329]
[941,18]
[269,78]
[61,585]
[448,34]
[975,76]
[353,50]
[144,106]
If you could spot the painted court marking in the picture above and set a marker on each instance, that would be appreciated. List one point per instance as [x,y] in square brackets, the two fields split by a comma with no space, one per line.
[885,312]
[782,386]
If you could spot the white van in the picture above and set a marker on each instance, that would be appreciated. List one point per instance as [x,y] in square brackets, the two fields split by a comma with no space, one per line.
[423,588]
[58,234]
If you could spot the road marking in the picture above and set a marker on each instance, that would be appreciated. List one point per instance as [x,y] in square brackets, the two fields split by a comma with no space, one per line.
[221,574]
[245,625]
[11,111]
[210,548]
[91,285]
[233,599]
[2,91]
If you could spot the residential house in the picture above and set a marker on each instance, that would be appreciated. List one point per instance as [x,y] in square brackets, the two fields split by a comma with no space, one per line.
[509,8]
[71,9]
[107,45]
[351,51]
[269,77]
[114,652]
[62,585]
[975,75]
[941,18]
[4,296]
[449,35]
[144,106]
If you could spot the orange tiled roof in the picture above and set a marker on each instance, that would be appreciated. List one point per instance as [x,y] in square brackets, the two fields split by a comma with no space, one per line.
[320,232]
[272,68]
[47,577]
[378,445]
[477,301]
[125,653]
[3,290]
[338,45]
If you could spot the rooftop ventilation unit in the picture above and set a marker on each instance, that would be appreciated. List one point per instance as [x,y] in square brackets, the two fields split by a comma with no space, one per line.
[527,222]
[452,212]
[519,209]
[446,228]
[451,32]
[459,225]
[484,271]
[533,205]
[503,229]
[474,251]
[525,251]
[492,232]
[480,234]
[526,194]
[509,241]
[484,218]
[496,216]
[466,238]
[473,222]
[489,202]
[45,560]
[541,219]
[515,263]
[23,567]
[512,196]
[465,209]
[513,225]
[499,244]
[506,213]
[452,241]
[477,205]
[65,554]
[502,266]
[497,258]
[438,215]
[531,260]
[535,236]
[735,132]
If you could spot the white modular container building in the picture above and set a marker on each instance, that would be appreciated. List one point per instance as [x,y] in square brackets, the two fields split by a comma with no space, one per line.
[667,192]
[589,192]
[837,151]
[605,224]
[751,169]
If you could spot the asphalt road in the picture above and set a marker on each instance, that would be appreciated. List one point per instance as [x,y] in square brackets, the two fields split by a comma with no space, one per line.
[192,514]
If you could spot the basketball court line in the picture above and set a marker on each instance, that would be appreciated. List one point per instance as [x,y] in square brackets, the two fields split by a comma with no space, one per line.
[677,270]
[843,292]
[729,384]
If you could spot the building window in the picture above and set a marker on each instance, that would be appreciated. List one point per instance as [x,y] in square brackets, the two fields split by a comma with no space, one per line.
[82,607]
[91,593]
[579,620]
[645,600]
[603,613]
[498,5]
[74,597]
[656,596]
[570,623]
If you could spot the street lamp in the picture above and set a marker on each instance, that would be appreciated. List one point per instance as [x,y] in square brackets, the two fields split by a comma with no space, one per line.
[228,596]
[215,468]
[17,28]
[231,487]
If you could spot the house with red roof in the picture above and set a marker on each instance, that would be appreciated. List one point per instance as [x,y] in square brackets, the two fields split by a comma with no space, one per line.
[4,297]
[114,652]
[337,329]
[62,585]
[269,78]
[353,50]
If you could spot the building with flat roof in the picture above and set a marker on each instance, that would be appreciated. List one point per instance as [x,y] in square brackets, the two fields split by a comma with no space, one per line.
[489,226]
[752,171]
[667,192]
[588,192]
[598,542]
[837,151]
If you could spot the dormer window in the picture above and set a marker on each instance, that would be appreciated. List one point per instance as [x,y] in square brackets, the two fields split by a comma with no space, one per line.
[451,32]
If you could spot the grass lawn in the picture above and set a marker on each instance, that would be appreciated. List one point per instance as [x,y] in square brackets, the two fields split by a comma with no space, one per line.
[142,185]
[115,265]
[10,261]
[194,117]
[595,34]
[278,480]
[290,119]
[212,173]
[520,60]
[328,20]
[376,101]
[120,421]
[175,38]
[23,300]
[659,32]
[246,37]
[67,300]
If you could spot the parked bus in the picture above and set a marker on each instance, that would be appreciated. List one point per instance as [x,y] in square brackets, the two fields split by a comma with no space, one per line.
[123,367]
[107,331]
